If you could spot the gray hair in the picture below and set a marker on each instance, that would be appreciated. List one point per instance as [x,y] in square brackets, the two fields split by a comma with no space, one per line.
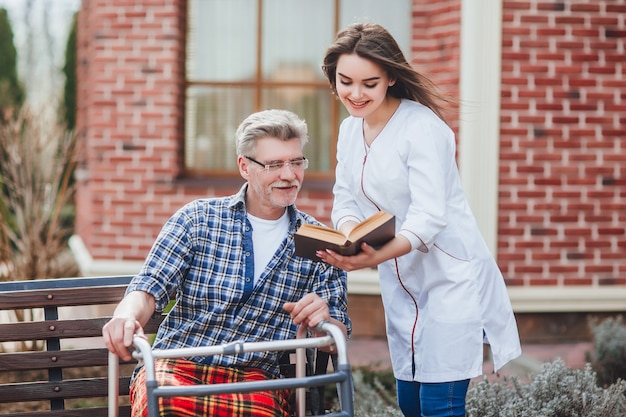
[280,124]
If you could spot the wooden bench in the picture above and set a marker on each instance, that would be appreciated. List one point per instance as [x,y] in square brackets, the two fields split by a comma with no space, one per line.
[63,379]
[55,380]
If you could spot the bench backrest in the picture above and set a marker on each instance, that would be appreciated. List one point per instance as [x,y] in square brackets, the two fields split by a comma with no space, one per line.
[72,377]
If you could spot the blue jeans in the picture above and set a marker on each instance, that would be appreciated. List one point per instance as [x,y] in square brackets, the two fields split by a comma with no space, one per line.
[445,399]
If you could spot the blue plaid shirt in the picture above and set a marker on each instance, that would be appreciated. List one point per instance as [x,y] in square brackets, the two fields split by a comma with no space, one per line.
[203,258]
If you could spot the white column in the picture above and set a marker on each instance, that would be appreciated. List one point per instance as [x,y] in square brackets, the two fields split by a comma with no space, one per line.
[479,124]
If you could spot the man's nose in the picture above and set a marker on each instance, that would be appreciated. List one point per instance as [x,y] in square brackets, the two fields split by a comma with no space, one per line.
[287,171]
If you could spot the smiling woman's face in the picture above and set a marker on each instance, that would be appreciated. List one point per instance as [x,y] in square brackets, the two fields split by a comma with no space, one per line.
[361,85]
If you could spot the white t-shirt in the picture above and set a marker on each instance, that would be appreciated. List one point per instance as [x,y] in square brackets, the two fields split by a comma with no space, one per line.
[267,235]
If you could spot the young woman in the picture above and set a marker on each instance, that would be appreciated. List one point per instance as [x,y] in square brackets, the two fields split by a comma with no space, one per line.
[443,293]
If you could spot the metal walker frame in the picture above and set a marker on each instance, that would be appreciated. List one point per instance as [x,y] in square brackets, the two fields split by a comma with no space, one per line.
[342,374]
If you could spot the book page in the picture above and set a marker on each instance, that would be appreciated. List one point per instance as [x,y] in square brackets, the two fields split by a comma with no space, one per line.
[322,232]
[368,225]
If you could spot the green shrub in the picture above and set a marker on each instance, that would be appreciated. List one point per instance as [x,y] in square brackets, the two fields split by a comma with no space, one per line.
[371,397]
[556,391]
[609,358]
[11,91]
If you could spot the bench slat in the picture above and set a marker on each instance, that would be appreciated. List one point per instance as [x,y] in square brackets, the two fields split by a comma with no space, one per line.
[11,300]
[75,282]
[63,329]
[28,361]
[46,329]
[74,388]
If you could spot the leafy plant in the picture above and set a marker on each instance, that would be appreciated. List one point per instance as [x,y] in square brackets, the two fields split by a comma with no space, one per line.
[609,359]
[557,391]
[371,398]
[11,92]
[68,106]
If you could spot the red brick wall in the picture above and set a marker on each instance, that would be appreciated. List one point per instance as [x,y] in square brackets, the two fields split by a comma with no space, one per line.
[562,204]
[436,47]
[131,80]
[563,158]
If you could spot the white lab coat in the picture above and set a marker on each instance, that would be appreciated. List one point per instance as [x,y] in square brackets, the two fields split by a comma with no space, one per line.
[450,275]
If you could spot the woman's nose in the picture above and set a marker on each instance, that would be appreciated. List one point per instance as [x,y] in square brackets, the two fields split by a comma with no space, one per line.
[356,91]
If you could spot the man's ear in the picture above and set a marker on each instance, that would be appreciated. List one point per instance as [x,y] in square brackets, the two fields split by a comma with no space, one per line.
[244,166]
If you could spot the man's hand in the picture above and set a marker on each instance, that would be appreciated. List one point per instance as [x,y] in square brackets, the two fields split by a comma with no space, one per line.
[118,335]
[130,315]
[309,311]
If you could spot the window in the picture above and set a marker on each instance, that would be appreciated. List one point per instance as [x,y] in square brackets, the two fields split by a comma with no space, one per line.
[248,55]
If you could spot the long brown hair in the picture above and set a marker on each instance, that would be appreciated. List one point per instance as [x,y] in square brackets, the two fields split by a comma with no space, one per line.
[374,43]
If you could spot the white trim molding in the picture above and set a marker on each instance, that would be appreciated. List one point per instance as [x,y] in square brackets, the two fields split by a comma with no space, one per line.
[479,123]
[526,299]
[100,267]
[567,299]
[363,282]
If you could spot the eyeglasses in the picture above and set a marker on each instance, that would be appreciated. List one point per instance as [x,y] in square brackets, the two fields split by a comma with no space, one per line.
[295,164]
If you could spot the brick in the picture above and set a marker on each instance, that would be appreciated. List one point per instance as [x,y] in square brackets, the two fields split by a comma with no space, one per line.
[564,244]
[542,281]
[543,231]
[546,256]
[534,269]
[550,56]
[559,269]
[612,281]
[594,269]
[588,57]
[604,20]
[597,218]
[573,21]
[617,231]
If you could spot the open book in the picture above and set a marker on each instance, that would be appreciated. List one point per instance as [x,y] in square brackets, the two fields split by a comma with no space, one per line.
[375,231]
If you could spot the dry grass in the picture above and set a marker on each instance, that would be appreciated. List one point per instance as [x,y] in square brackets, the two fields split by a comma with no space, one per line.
[37,159]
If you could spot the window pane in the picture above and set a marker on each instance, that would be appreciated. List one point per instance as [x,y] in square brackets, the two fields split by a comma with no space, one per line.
[221,40]
[314,105]
[295,35]
[222,74]
[213,115]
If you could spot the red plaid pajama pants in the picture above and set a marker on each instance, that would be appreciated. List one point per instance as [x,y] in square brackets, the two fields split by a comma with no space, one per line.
[180,372]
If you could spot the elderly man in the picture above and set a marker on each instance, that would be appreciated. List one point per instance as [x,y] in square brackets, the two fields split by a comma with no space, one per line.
[229,263]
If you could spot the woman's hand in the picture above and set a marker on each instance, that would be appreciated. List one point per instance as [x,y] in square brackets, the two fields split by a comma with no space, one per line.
[365,259]
[368,257]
